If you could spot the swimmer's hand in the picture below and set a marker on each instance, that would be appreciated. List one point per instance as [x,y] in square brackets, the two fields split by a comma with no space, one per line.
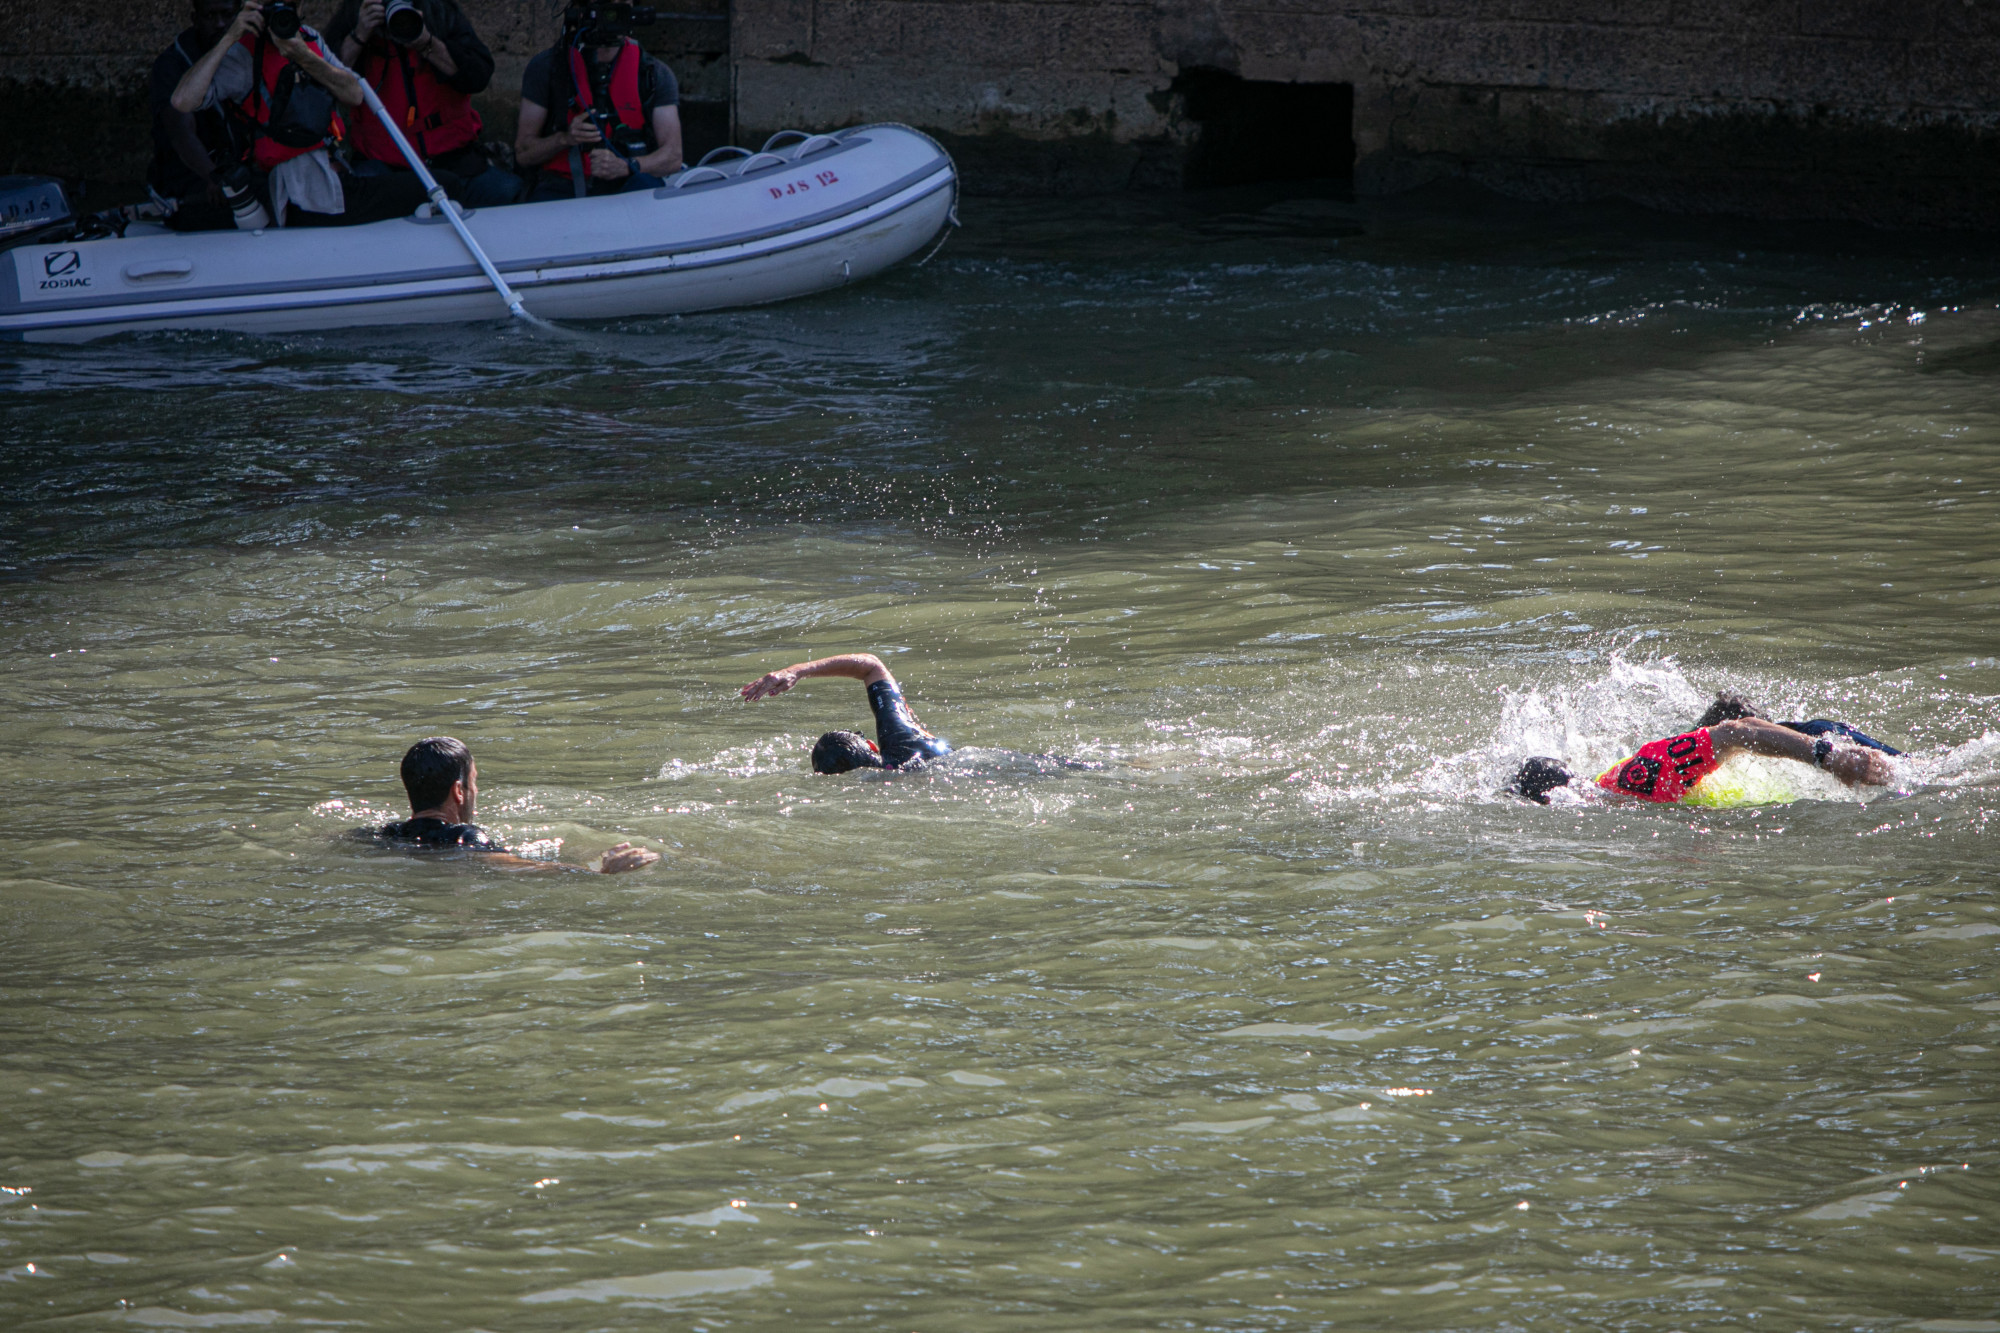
[864,667]
[1854,765]
[626,857]
[770,686]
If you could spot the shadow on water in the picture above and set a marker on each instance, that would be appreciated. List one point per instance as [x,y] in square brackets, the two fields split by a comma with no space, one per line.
[1057,361]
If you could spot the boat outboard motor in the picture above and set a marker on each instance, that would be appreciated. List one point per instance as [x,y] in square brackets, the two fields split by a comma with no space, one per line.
[31,208]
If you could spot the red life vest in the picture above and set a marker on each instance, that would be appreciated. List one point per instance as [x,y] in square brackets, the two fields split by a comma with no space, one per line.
[266,152]
[626,103]
[434,116]
[1664,770]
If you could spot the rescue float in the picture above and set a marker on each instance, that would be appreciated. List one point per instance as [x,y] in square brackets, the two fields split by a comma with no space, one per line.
[803,214]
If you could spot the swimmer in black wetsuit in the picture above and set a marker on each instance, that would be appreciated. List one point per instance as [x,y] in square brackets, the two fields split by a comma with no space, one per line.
[900,743]
[443,784]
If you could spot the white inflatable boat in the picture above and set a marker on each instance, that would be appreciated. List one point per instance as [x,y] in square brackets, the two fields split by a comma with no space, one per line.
[807,213]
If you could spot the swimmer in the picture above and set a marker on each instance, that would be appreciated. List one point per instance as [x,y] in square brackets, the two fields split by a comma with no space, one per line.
[901,743]
[1728,707]
[443,784]
[1672,769]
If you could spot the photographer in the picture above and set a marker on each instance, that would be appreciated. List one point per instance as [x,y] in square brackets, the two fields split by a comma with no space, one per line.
[273,75]
[192,151]
[425,61]
[619,109]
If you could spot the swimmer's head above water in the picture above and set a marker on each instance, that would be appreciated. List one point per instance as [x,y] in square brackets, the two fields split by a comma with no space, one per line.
[901,741]
[1537,777]
[843,752]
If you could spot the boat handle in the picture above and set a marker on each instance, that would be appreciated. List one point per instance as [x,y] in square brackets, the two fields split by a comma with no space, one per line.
[782,137]
[759,162]
[156,269]
[722,152]
[697,176]
[819,143]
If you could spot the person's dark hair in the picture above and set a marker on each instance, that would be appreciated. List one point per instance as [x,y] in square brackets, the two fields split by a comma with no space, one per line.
[1728,708]
[431,767]
[1537,777]
[839,751]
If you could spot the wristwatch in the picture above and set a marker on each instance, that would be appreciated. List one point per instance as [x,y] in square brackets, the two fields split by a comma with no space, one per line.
[1821,749]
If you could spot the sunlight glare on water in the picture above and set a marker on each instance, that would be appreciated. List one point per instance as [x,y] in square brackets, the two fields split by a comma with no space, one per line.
[1305,521]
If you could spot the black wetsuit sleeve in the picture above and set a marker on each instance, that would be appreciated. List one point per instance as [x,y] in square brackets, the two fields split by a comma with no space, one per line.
[1820,726]
[902,740]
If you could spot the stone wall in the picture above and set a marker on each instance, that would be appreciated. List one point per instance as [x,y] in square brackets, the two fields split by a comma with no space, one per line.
[1878,109]
[1885,110]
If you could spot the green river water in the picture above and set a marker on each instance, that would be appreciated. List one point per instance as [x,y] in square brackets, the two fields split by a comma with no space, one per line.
[1307,520]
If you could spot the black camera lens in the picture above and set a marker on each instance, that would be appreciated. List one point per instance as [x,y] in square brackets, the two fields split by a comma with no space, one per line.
[403,20]
[281,19]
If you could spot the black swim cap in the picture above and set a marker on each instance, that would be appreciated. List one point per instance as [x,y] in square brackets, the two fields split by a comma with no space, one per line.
[839,751]
[1538,776]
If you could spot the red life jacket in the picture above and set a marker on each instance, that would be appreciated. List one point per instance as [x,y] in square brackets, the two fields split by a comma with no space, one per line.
[434,116]
[626,103]
[266,152]
[1664,770]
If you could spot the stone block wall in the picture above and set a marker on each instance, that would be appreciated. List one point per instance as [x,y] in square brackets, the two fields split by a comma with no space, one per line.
[1885,110]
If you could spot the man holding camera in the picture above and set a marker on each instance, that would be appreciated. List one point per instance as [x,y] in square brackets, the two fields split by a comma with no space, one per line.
[273,74]
[192,152]
[618,109]
[426,63]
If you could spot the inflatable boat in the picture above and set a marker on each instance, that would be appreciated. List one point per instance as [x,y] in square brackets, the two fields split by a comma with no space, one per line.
[806,213]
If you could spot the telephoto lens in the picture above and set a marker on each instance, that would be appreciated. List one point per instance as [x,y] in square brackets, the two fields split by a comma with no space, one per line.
[403,20]
[281,19]
[239,191]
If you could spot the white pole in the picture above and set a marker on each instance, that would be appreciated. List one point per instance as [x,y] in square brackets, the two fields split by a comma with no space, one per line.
[446,207]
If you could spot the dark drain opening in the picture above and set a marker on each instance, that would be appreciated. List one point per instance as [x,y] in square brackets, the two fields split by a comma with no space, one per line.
[1256,131]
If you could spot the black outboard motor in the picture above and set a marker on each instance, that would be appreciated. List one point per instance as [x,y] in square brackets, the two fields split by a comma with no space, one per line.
[33,208]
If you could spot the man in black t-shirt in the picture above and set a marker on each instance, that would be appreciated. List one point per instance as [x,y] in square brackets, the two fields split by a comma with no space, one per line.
[598,116]
[443,784]
[191,150]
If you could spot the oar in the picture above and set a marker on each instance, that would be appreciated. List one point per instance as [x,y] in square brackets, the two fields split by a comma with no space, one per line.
[445,206]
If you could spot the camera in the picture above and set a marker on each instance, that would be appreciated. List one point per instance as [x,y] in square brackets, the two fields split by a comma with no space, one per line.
[281,19]
[403,20]
[606,25]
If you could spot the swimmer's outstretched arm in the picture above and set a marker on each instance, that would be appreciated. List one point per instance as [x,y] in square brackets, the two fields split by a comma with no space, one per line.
[1850,763]
[864,667]
[622,857]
